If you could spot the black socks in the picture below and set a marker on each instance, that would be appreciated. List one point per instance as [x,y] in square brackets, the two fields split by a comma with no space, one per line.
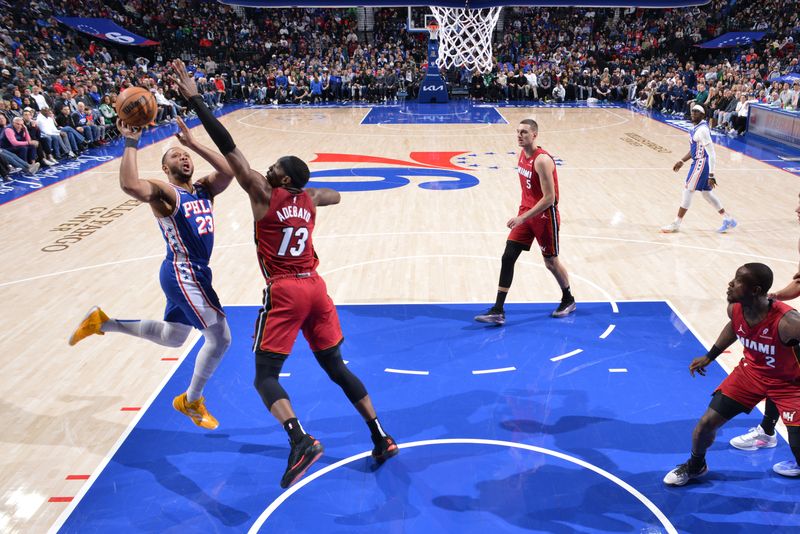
[770,419]
[501,300]
[566,295]
[294,429]
[376,430]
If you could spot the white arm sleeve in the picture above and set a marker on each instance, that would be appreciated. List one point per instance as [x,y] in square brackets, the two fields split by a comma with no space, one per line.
[703,136]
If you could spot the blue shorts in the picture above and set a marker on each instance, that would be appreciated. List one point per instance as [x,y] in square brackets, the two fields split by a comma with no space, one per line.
[697,180]
[190,298]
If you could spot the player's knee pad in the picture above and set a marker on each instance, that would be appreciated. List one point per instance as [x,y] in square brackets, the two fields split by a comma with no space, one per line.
[268,370]
[217,336]
[508,260]
[331,361]
[512,252]
[726,406]
[686,201]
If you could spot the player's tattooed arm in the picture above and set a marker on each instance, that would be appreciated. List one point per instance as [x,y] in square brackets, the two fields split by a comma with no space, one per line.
[789,328]
[323,196]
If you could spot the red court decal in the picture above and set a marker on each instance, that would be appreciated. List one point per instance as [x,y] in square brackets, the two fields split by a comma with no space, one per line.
[169,359]
[77,477]
[438,160]
[60,499]
[130,408]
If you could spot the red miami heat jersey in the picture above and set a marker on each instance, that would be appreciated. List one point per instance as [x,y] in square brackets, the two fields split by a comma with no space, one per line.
[283,236]
[529,180]
[764,352]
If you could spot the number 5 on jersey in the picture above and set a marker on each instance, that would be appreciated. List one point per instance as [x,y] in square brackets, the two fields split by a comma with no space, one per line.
[300,235]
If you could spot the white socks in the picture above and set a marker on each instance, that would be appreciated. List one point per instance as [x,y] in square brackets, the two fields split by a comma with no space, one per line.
[217,340]
[161,332]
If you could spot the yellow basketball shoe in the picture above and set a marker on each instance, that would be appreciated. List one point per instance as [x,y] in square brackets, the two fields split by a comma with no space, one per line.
[196,411]
[90,324]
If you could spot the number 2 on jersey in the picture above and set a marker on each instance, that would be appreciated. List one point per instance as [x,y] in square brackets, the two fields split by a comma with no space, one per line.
[301,235]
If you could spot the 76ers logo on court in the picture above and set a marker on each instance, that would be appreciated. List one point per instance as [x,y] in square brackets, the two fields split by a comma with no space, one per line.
[434,168]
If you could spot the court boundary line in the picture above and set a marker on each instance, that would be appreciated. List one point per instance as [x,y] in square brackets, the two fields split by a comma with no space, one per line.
[67,512]
[655,510]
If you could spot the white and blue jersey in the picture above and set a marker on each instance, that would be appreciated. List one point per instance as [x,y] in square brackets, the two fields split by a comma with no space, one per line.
[697,180]
[185,276]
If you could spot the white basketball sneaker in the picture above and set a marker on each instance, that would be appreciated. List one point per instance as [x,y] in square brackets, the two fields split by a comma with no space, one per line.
[755,439]
[671,228]
[682,474]
[788,468]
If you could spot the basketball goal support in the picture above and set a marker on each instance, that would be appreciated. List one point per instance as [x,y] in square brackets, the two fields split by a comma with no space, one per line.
[433,89]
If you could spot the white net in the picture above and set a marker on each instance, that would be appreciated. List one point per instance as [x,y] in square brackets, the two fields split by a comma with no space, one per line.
[465,36]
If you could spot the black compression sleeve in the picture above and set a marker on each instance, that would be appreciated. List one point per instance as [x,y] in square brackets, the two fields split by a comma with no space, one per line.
[215,129]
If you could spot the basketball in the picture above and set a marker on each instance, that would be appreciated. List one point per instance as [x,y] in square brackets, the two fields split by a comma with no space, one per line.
[136,106]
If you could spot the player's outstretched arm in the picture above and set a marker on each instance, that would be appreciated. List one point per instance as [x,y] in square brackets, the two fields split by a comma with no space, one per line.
[323,196]
[160,197]
[791,291]
[253,182]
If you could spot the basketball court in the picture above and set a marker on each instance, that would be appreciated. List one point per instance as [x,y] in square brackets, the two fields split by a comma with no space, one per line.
[542,425]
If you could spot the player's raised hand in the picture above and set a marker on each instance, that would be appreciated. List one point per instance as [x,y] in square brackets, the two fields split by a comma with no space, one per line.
[699,365]
[184,135]
[183,80]
[127,131]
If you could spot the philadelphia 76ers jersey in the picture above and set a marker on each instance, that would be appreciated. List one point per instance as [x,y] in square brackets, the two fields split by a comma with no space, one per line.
[697,150]
[185,275]
[189,231]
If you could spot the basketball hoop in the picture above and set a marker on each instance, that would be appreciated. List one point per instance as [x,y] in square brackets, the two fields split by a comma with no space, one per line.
[465,36]
[433,30]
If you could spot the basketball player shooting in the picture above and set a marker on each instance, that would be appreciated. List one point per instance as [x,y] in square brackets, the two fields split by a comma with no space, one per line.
[295,297]
[185,215]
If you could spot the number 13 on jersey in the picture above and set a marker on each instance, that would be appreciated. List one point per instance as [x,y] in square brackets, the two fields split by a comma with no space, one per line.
[296,237]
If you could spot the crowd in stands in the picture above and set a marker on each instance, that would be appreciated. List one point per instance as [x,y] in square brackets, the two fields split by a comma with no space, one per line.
[58,87]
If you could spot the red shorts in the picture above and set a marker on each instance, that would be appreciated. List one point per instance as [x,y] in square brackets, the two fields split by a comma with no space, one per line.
[294,304]
[543,228]
[749,388]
